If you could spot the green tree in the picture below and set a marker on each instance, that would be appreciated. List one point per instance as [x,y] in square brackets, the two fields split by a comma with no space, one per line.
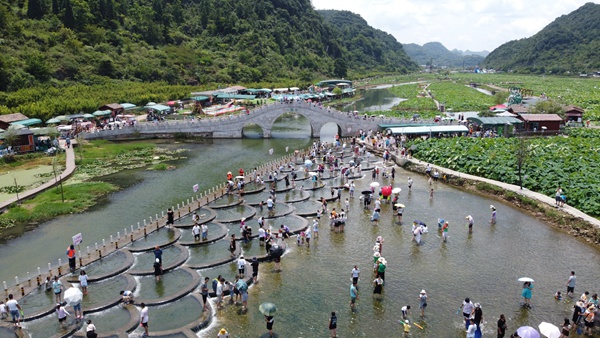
[55,7]
[486,113]
[35,9]
[11,136]
[548,107]
[500,97]
[4,72]
[69,16]
[340,68]
[37,65]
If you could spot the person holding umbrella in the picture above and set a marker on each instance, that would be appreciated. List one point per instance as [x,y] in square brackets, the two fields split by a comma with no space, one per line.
[268,310]
[527,293]
[73,297]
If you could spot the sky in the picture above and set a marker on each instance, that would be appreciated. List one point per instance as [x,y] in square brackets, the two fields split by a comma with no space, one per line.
[475,25]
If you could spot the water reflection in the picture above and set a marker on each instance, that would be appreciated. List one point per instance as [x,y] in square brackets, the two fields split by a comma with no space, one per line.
[376,100]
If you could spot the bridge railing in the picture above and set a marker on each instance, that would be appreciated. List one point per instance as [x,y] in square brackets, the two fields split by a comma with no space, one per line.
[171,126]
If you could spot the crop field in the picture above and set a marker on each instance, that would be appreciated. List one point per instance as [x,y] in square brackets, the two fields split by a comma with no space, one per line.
[571,161]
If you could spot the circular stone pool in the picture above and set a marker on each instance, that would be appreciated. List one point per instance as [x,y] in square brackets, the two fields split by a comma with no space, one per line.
[214,253]
[225,201]
[235,213]
[160,237]
[215,230]
[173,316]
[117,261]
[114,319]
[144,261]
[173,283]
[105,292]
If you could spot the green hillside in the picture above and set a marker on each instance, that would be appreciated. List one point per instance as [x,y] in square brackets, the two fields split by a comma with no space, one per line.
[440,56]
[366,48]
[178,42]
[571,43]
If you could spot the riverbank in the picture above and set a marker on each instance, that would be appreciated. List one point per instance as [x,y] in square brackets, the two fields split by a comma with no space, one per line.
[82,190]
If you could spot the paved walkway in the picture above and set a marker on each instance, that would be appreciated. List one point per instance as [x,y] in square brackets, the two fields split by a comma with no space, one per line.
[516,189]
[70,168]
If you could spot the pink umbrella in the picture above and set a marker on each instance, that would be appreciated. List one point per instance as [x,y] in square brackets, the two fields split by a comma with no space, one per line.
[171,103]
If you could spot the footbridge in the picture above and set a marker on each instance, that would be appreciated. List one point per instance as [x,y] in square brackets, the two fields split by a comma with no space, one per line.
[232,126]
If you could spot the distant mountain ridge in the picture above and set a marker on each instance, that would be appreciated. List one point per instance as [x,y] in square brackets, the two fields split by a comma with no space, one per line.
[366,47]
[571,43]
[482,53]
[442,57]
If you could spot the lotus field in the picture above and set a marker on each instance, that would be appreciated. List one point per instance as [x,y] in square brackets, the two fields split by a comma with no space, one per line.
[573,162]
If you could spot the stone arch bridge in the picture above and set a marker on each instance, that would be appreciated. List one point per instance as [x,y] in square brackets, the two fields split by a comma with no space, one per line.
[232,126]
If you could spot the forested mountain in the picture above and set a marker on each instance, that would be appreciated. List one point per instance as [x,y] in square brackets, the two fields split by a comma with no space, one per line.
[440,56]
[571,43]
[366,48]
[178,41]
[482,53]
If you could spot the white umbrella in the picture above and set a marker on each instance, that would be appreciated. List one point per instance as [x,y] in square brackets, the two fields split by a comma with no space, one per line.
[396,190]
[312,173]
[399,205]
[527,332]
[549,330]
[308,162]
[374,184]
[240,177]
[525,279]
[73,296]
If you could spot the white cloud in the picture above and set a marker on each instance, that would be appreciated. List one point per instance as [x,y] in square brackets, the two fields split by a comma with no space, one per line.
[461,24]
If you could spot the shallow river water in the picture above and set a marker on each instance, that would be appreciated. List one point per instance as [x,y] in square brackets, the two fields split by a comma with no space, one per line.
[315,281]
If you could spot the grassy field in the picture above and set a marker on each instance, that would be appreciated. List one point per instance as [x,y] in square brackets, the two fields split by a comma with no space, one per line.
[94,159]
[49,204]
[459,97]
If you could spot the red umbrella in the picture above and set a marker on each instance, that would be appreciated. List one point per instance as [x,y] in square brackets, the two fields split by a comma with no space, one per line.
[171,103]
[386,191]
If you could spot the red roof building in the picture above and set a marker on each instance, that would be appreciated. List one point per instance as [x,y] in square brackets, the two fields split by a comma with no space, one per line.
[539,122]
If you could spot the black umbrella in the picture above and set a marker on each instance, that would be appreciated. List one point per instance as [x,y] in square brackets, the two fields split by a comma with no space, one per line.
[366,192]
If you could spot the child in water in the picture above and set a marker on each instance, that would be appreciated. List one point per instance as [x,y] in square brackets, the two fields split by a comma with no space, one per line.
[406,328]
[558,295]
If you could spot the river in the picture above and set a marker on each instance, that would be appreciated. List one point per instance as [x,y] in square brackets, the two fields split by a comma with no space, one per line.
[376,99]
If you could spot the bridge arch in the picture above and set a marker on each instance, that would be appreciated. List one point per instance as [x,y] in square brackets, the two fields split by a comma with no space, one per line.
[328,127]
[317,117]
[252,130]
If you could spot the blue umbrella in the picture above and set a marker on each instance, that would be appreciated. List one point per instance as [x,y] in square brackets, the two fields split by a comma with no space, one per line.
[241,285]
